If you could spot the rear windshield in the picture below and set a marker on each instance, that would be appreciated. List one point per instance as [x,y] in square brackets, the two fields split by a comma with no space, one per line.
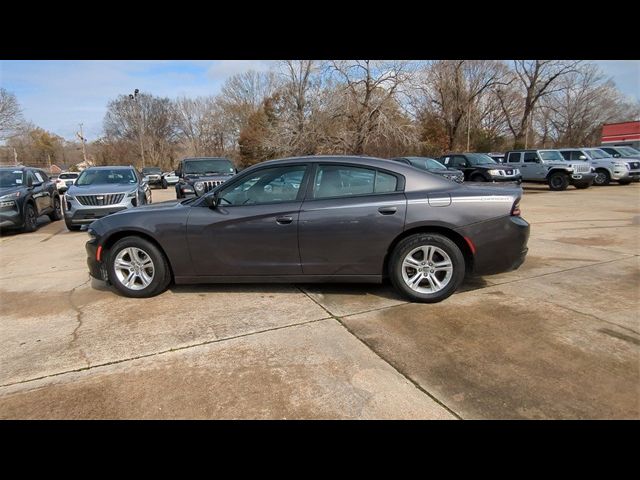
[10,178]
[151,170]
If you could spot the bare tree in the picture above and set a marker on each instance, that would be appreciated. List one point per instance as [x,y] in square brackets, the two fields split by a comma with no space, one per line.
[10,114]
[453,89]
[534,79]
[151,121]
[201,124]
[367,92]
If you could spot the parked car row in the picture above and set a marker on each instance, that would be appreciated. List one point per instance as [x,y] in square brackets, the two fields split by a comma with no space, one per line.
[608,163]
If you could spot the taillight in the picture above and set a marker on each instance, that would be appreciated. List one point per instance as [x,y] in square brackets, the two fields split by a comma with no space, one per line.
[515,210]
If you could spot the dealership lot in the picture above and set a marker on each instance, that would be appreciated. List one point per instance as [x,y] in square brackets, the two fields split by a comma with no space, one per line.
[558,338]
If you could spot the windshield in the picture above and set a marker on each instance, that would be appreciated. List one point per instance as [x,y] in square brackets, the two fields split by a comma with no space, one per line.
[630,151]
[597,153]
[151,170]
[208,166]
[106,176]
[434,164]
[10,178]
[479,159]
[68,175]
[551,155]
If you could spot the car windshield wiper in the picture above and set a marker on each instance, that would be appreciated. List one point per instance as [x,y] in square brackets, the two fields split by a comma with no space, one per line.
[214,173]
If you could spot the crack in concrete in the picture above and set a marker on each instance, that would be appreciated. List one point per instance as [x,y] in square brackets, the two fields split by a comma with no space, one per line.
[162,352]
[79,314]
[391,364]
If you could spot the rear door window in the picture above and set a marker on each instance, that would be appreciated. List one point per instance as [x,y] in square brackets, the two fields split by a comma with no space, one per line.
[514,157]
[346,181]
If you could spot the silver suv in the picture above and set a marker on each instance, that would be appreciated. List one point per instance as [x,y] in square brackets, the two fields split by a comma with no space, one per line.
[608,168]
[101,191]
[550,167]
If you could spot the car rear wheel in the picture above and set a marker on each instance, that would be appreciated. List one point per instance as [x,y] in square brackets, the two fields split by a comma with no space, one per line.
[30,218]
[426,267]
[581,186]
[602,178]
[558,181]
[137,268]
[57,211]
[624,182]
[164,184]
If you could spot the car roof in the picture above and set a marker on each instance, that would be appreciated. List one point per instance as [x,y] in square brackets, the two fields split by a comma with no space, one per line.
[415,179]
[113,167]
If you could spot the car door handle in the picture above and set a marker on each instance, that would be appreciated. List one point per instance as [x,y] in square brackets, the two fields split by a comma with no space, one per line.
[388,210]
[284,220]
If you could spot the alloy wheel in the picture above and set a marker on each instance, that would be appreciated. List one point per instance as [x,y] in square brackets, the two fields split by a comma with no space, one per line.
[134,268]
[427,269]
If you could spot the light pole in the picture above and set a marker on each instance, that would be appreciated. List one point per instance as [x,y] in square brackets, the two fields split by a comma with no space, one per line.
[134,98]
[83,140]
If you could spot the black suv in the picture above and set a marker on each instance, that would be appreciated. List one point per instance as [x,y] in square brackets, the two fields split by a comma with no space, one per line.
[478,167]
[199,175]
[25,194]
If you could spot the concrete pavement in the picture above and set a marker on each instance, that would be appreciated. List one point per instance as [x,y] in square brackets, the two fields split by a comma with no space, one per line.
[558,338]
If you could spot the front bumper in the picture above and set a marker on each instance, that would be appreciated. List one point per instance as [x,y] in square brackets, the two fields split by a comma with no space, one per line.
[582,178]
[96,269]
[626,175]
[507,178]
[10,219]
[500,244]
[84,216]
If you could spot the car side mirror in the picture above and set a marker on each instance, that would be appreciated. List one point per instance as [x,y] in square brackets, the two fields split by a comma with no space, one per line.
[582,157]
[616,155]
[212,200]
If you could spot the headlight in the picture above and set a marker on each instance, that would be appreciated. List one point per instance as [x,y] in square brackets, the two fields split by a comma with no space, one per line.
[199,186]
[10,196]
[494,172]
[132,194]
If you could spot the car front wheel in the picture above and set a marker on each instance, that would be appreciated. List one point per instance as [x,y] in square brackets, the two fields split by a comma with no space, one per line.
[137,268]
[558,181]
[57,211]
[426,267]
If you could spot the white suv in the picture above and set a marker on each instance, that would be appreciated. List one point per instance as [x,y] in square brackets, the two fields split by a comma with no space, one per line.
[608,168]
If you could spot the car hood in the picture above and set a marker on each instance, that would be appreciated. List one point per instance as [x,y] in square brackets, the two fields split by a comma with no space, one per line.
[8,190]
[200,178]
[76,189]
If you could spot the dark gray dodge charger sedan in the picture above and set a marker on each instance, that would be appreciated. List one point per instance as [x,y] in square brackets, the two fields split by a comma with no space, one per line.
[316,219]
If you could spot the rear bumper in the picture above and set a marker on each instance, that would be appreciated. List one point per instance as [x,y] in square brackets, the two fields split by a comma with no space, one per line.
[500,244]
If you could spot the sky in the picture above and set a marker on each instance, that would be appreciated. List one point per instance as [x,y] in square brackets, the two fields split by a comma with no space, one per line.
[57,95]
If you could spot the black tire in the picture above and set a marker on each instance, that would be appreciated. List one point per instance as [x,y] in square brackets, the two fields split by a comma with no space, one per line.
[602,178]
[624,182]
[164,184]
[30,218]
[558,181]
[581,186]
[57,210]
[71,227]
[426,239]
[162,272]
[478,178]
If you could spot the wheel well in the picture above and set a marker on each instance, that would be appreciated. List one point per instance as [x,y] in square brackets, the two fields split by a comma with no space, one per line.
[452,235]
[134,233]
[557,170]
[603,169]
